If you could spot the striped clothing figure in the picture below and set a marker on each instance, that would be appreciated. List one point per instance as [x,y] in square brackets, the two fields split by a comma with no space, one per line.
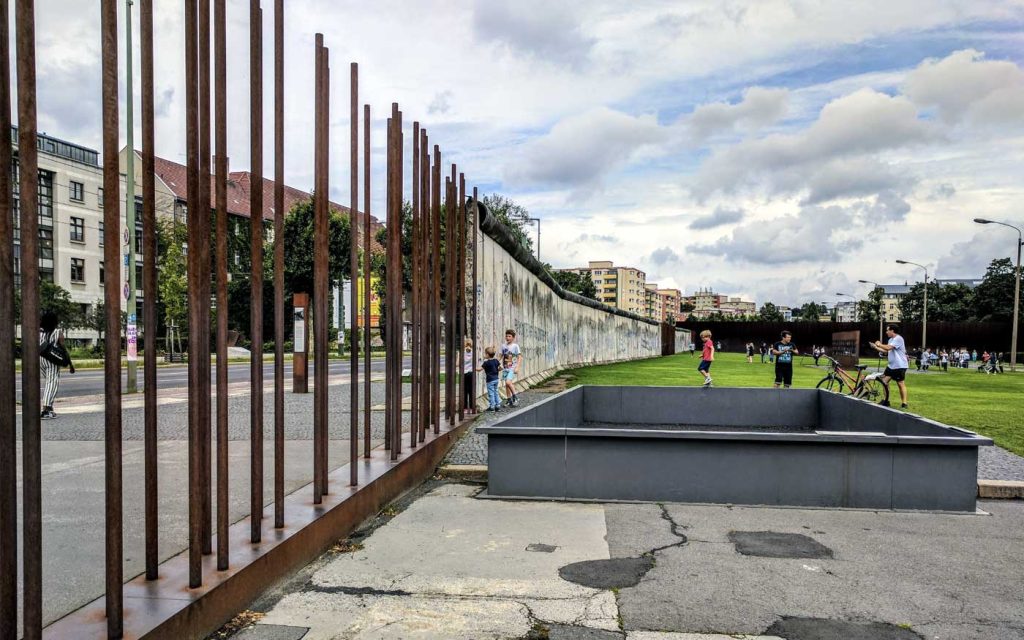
[50,374]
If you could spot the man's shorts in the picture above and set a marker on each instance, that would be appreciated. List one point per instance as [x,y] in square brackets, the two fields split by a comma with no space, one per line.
[784,373]
[508,375]
[895,374]
[705,365]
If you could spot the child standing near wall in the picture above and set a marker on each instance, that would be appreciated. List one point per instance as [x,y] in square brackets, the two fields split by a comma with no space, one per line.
[512,358]
[492,369]
[707,357]
[468,379]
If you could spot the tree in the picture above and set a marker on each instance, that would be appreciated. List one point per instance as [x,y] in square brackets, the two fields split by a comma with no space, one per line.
[869,310]
[582,284]
[770,313]
[514,216]
[993,298]
[54,298]
[946,303]
[172,274]
[810,312]
[379,267]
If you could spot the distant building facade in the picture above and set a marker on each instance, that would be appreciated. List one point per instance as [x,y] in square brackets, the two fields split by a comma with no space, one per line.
[620,287]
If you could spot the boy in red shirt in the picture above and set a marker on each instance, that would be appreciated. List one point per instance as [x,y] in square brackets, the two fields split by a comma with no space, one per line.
[707,357]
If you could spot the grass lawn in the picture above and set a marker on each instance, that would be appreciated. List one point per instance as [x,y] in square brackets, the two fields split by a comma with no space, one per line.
[992,405]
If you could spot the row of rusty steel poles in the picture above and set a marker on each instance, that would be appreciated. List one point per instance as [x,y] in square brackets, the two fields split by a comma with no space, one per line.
[8,444]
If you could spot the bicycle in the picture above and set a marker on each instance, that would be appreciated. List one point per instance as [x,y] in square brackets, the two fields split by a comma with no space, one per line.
[866,387]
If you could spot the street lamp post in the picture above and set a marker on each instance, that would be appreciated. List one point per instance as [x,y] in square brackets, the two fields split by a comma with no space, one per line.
[1016,289]
[881,311]
[924,319]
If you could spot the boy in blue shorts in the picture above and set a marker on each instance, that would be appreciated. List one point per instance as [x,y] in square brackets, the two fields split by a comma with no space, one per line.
[707,357]
[511,358]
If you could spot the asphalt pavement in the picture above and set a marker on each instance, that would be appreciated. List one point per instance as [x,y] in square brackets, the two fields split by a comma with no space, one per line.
[89,382]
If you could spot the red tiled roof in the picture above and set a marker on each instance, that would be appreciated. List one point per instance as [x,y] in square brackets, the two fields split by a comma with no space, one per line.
[175,176]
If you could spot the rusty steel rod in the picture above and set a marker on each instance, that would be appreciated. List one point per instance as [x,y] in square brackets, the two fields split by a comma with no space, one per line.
[149,292]
[256,277]
[415,304]
[461,295]
[32,555]
[435,357]
[8,456]
[386,303]
[367,262]
[204,211]
[450,262]
[319,272]
[424,286]
[196,365]
[475,307]
[221,197]
[353,267]
[279,214]
[325,431]
[394,283]
[112,352]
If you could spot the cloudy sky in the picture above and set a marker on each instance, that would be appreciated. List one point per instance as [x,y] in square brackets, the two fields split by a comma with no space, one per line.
[777,149]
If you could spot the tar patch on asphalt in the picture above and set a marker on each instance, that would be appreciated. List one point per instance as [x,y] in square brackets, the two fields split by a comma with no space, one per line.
[771,544]
[614,573]
[271,632]
[541,548]
[556,631]
[825,629]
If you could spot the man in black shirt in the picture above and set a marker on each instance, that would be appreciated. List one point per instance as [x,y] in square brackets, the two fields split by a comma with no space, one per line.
[783,350]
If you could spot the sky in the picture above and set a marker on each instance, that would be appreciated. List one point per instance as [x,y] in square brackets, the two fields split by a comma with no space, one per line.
[780,150]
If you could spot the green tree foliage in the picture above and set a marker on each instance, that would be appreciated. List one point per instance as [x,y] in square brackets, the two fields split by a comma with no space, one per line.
[810,312]
[379,267]
[869,310]
[582,284]
[172,274]
[993,298]
[512,215]
[55,298]
[770,313]
[946,303]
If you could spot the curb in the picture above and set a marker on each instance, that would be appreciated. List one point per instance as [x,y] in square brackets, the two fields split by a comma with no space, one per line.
[476,472]
[1001,489]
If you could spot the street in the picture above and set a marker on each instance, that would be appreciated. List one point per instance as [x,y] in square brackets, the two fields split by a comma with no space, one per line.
[90,382]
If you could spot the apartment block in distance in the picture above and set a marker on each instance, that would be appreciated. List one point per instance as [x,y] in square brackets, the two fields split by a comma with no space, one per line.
[705,302]
[662,304]
[620,287]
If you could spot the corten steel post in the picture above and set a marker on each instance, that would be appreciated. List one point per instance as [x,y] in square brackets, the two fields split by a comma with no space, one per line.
[112,352]
[197,367]
[326,204]
[221,197]
[256,277]
[475,308]
[424,287]
[204,293]
[386,325]
[462,295]
[450,260]
[393,361]
[149,290]
[353,267]
[319,272]
[8,458]
[435,385]
[366,279]
[415,305]
[278,264]
[32,555]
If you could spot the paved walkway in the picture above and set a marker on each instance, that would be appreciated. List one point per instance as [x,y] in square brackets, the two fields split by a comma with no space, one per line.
[444,563]
[994,463]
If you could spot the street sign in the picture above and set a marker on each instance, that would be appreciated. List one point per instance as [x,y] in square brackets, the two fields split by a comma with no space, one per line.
[127,291]
[127,237]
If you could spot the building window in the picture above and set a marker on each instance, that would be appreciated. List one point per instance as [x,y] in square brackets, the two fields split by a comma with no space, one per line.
[77,270]
[46,196]
[77,229]
[99,194]
[101,272]
[101,233]
[45,244]
[77,191]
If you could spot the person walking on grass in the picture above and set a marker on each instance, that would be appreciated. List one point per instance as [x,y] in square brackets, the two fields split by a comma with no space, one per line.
[896,350]
[707,357]
[492,370]
[783,351]
[512,358]
[750,353]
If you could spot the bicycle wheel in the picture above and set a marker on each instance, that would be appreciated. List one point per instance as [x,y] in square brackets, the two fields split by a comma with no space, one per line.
[873,391]
[831,383]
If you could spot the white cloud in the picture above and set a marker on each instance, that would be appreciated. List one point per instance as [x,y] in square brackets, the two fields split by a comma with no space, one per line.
[717,218]
[966,86]
[758,108]
[581,150]
[549,33]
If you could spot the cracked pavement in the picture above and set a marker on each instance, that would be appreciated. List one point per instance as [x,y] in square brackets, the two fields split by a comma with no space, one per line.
[451,565]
